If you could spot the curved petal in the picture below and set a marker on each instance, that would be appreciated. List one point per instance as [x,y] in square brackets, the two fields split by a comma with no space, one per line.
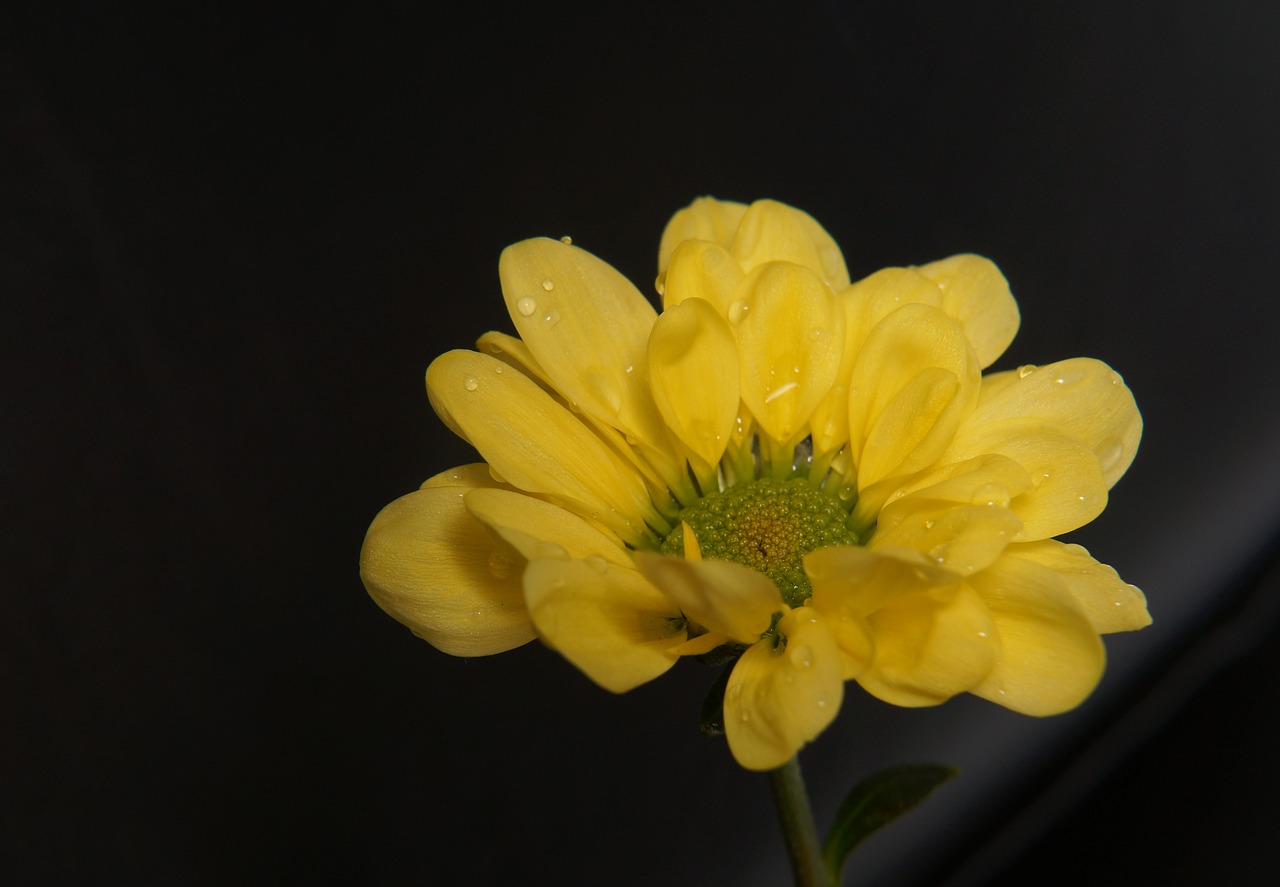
[534,443]
[540,529]
[976,294]
[587,327]
[959,538]
[1109,603]
[718,595]
[1084,397]
[607,620]
[693,374]
[704,219]
[1067,490]
[780,698]
[475,474]
[790,333]
[432,566]
[930,646]
[1050,656]
[774,232]
[903,360]
[700,270]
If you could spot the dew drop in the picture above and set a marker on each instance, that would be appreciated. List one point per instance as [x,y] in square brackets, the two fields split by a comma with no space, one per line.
[744,716]
[801,656]
[738,310]
[1109,453]
[597,563]
[929,525]
[822,703]
[1025,370]
[502,563]
[630,368]
[470,383]
[548,285]
[786,388]
[551,318]
[526,306]
[846,493]
[991,494]
[816,333]
[567,240]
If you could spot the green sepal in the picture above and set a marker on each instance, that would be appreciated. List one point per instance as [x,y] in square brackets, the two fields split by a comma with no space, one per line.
[711,720]
[875,802]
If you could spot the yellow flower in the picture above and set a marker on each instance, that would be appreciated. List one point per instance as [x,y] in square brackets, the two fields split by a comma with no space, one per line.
[807,473]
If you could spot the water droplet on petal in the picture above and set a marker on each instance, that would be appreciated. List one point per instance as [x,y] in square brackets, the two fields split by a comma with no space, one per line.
[567,240]
[822,703]
[502,563]
[801,656]
[470,383]
[846,492]
[527,306]
[597,563]
[548,285]
[498,370]
[1109,452]
[928,525]
[738,310]
[816,333]
[991,494]
[1025,370]
[551,318]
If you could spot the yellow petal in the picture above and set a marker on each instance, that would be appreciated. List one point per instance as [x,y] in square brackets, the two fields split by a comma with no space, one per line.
[930,646]
[774,232]
[976,294]
[607,620]
[540,529]
[693,373]
[1067,490]
[435,568]
[701,270]
[866,303]
[779,699]
[470,476]
[587,327]
[515,353]
[790,333]
[900,361]
[959,538]
[1109,603]
[704,219]
[1050,656]
[1083,397]
[719,595]
[534,443]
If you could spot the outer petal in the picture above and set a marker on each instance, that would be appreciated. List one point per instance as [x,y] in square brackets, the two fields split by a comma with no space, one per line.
[774,232]
[790,333]
[1110,604]
[435,568]
[540,529]
[930,646]
[960,538]
[1083,397]
[704,219]
[607,620]
[587,327]
[719,595]
[916,359]
[1050,656]
[779,699]
[693,373]
[534,443]
[976,294]
[1067,490]
[700,270]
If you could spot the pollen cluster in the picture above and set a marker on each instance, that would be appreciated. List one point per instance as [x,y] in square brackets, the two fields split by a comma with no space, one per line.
[769,526]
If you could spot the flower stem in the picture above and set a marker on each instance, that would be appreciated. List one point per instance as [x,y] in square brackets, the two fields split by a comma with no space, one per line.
[796,816]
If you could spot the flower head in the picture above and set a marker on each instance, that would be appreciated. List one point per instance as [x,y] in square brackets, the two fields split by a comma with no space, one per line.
[808,474]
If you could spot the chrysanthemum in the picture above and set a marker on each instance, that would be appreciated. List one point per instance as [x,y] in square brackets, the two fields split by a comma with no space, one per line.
[806,474]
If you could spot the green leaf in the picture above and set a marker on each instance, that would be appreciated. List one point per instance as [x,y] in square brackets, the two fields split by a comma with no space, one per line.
[876,802]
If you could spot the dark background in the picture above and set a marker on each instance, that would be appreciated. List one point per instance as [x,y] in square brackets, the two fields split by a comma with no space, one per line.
[232,240]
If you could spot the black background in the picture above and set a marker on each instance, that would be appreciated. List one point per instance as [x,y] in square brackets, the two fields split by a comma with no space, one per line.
[234,238]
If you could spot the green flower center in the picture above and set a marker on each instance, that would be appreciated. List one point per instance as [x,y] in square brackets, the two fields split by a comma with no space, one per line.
[767,525]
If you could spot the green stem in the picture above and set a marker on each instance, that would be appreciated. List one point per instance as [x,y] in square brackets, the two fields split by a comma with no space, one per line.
[796,816]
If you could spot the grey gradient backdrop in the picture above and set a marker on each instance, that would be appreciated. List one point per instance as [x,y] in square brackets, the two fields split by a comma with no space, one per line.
[232,239]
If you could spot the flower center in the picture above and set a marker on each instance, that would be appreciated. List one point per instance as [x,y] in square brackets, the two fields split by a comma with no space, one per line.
[767,525]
